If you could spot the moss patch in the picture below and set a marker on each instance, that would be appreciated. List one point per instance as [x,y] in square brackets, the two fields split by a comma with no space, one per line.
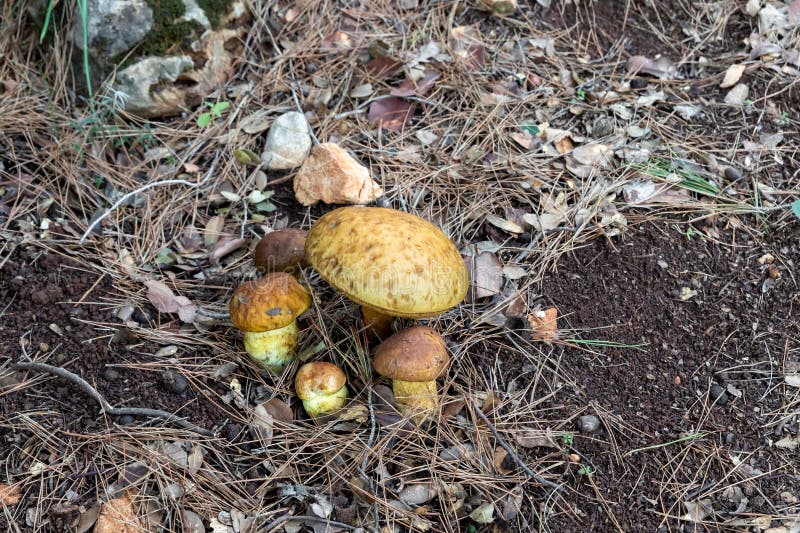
[214,9]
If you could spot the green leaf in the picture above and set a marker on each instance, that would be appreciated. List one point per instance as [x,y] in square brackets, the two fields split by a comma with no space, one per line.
[796,208]
[47,16]
[203,120]
[219,107]
[246,157]
[265,207]
[533,129]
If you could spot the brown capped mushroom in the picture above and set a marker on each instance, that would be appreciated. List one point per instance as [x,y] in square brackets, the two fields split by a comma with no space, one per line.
[392,263]
[321,386]
[413,358]
[281,251]
[266,310]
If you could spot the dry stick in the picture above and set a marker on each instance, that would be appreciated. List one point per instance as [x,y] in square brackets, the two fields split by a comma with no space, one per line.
[140,190]
[104,405]
[512,453]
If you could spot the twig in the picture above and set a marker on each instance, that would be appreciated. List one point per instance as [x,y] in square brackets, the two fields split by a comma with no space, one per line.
[141,189]
[308,518]
[512,453]
[104,405]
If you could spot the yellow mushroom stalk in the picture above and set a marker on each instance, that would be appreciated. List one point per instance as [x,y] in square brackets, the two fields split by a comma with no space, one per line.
[413,358]
[321,386]
[266,310]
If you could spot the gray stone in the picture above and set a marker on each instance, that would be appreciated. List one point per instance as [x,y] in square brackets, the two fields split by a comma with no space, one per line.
[138,80]
[288,142]
[588,423]
[718,394]
[113,26]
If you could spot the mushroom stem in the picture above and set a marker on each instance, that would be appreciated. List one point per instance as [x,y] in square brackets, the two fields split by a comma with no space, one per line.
[325,403]
[417,399]
[272,349]
[377,323]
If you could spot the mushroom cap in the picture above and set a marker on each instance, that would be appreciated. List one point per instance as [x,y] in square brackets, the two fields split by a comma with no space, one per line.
[318,378]
[394,262]
[281,250]
[413,354]
[272,302]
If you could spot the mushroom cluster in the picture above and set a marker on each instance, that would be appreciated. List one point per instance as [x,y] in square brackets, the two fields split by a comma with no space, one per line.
[391,263]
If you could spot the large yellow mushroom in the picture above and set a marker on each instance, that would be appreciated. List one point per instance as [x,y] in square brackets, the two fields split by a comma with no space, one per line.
[413,358]
[392,263]
[266,310]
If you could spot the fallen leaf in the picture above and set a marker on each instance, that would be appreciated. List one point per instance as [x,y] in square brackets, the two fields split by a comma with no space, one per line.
[161,296]
[594,154]
[279,410]
[426,137]
[262,422]
[118,516]
[793,380]
[9,494]
[505,225]
[732,75]
[417,493]
[213,230]
[662,68]
[385,66]
[224,246]
[467,45]
[533,438]
[789,443]
[361,91]
[514,272]
[794,12]
[544,324]
[524,139]
[256,122]
[738,95]
[483,514]
[336,41]
[192,523]
[391,113]
[486,276]
[418,87]
[511,505]
[563,145]
[647,192]
[697,511]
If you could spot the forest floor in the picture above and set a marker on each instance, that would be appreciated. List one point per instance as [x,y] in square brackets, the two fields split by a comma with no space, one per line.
[586,156]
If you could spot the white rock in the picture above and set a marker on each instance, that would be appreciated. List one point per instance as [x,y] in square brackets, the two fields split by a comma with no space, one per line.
[288,142]
[333,176]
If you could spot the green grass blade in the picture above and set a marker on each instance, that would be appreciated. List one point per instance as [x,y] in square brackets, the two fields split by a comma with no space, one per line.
[48,14]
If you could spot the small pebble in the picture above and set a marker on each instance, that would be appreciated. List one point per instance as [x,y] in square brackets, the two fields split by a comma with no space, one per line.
[588,423]
[111,374]
[176,382]
[732,174]
[718,393]
[638,83]
[124,420]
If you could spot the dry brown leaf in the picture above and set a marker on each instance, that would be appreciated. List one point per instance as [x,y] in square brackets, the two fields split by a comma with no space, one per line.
[467,45]
[224,246]
[161,296]
[419,87]
[213,230]
[392,113]
[697,511]
[563,145]
[662,68]
[533,438]
[118,516]
[505,225]
[732,75]
[501,461]
[544,324]
[337,41]
[279,410]
[384,66]
[486,276]
[9,494]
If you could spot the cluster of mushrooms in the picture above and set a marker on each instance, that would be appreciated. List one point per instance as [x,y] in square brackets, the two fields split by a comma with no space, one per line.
[393,264]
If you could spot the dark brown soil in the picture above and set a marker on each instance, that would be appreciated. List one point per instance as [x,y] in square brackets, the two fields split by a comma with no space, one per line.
[42,291]
[737,332]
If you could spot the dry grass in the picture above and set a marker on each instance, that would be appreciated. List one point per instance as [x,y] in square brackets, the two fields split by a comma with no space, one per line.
[55,148]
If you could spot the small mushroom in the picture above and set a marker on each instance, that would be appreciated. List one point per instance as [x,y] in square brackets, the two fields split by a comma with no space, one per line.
[392,263]
[321,386]
[281,251]
[413,358]
[266,310]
